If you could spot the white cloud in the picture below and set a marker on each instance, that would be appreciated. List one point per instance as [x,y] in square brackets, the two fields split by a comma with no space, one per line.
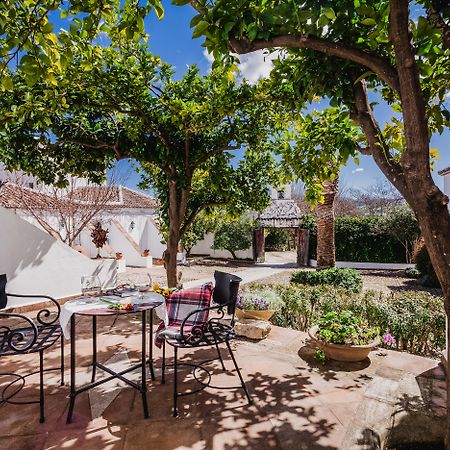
[359,169]
[252,66]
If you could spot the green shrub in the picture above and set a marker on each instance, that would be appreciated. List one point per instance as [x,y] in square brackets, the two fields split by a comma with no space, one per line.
[277,239]
[425,267]
[348,279]
[415,319]
[412,272]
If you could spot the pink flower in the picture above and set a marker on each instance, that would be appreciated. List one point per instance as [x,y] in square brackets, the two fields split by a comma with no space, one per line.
[388,339]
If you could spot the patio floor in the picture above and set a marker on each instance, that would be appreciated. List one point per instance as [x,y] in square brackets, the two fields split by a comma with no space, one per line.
[299,404]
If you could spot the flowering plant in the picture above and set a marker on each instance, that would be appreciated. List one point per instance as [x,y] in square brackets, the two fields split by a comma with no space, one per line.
[389,340]
[258,301]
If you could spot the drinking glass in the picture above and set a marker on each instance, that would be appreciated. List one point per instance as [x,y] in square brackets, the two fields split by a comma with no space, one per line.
[90,285]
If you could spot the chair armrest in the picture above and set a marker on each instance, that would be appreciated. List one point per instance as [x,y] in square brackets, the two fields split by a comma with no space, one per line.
[14,338]
[197,332]
[44,314]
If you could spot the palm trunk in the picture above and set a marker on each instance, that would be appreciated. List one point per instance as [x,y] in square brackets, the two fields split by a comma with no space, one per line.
[326,248]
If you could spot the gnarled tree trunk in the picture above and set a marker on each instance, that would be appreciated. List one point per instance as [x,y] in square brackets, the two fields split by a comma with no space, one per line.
[326,248]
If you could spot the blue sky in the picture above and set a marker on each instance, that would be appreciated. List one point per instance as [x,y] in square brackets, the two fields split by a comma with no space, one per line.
[171,39]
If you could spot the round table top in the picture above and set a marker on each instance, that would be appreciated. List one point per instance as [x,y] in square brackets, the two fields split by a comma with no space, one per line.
[144,301]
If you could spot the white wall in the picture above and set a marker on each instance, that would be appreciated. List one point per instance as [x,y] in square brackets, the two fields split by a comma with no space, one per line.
[36,263]
[205,247]
[153,239]
[447,185]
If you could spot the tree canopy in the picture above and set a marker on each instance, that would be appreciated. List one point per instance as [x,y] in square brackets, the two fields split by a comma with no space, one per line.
[125,104]
[30,39]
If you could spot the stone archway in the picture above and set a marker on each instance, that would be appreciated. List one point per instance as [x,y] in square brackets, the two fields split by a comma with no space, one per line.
[282,213]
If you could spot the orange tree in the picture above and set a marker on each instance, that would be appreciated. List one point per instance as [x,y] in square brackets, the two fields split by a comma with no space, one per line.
[344,50]
[125,104]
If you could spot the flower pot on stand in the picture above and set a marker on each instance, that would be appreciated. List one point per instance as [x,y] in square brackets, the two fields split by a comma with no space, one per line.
[342,352]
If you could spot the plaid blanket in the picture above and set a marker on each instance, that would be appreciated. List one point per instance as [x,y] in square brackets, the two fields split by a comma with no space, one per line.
[179,305]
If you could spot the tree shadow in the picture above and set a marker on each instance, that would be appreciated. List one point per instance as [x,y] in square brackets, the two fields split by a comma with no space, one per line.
[283,415]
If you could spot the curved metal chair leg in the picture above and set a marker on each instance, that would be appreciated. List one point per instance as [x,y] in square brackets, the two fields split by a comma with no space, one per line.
[41,386]
[62,360]
[250,402]
[175,391]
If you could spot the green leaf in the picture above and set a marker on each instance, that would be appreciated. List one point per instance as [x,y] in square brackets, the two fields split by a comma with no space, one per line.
[7,83]
[47,28]
[369,21]
[159,10]
[329,13]
[200,29]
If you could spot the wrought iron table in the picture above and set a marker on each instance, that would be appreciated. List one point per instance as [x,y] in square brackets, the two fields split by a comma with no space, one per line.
[144,308]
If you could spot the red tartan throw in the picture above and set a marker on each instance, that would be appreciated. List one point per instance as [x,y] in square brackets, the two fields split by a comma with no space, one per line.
[179,305]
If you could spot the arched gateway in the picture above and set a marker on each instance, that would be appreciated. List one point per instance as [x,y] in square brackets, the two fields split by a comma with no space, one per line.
[282,213]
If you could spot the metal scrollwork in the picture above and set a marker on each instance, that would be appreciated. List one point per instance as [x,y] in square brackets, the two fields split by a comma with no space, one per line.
[44,316]
[21,339]
[207,332]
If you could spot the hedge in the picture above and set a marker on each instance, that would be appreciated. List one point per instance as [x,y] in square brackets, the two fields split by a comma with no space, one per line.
[358,239]
[348,279]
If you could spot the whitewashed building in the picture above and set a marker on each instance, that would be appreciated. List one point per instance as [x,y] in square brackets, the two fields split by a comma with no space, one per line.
[446,174]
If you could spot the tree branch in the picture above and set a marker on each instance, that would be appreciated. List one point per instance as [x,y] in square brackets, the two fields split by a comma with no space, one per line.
[375,63]
[214,152]
[195,213]
[435,19]
[377,147]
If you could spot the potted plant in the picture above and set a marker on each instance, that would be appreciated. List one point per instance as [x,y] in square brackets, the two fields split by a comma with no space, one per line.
[344,336]
[119,255]
[260,305]
[146,252]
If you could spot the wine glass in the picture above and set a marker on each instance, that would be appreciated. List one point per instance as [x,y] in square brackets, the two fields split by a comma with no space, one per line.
[90,285]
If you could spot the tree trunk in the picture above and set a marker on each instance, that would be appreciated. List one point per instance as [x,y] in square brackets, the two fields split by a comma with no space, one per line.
[233,253]
[326,250]
[170,257]
[427,201]
[177,210]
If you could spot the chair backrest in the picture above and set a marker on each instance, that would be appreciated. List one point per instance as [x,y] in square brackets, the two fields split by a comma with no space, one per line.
[226,290]
[3,297]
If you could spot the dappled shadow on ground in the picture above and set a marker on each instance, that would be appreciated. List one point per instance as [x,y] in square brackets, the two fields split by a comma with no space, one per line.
[284,415]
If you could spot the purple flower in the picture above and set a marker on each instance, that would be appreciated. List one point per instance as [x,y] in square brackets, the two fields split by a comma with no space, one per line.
[388,339]
[260,304]
[240,301]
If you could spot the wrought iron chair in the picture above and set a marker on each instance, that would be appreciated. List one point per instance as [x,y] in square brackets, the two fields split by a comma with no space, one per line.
[214,331]
[33,336]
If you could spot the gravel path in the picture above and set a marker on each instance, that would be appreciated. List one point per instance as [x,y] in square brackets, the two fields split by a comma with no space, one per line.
[198,269]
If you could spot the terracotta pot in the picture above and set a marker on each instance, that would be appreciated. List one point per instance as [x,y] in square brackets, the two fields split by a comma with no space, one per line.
[342,352]
[253,314]
[119,256]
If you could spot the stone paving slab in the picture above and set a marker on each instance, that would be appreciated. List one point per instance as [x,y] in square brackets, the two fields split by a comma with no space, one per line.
[298,403]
